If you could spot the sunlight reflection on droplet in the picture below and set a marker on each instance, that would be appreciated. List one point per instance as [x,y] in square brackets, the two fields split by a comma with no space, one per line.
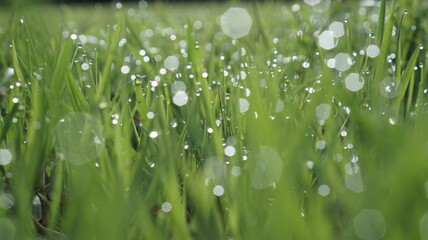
[353,82]
[153,134]
[369,224]
[236,22]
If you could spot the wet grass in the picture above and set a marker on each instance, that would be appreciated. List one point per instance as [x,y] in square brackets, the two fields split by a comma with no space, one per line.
[245,139]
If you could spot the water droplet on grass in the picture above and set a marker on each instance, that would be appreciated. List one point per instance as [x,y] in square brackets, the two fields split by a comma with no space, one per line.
[166,207]
[37,208]
[150,115]
[236,22]
[323,111]
[331,63]
[218,190]
[229,151]
[180,98]
[324,190]
[354,82]
[153,134]
[369,224]
[327,41]
[171,63]
[372,51]
[343,62]
[389,87]
[5,157]
[125,69]
[244,105]
[321,144]
[85,66]
[337,28]
[312,2]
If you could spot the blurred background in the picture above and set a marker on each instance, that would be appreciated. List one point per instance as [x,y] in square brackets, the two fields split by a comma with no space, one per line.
[9,2]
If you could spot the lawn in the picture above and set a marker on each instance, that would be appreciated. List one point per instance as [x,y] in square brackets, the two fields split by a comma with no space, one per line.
[263,120]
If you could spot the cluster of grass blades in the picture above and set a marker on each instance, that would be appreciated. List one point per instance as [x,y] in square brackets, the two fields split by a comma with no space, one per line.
[150,121]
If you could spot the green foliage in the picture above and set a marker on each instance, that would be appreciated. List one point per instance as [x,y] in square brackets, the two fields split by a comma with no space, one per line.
[257,137]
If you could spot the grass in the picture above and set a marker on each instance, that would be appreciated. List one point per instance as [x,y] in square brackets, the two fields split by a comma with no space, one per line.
[102,153]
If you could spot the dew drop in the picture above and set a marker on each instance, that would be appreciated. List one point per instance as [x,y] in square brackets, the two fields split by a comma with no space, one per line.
[166,207]
[354,82]
[343,62]
[369,224]
[244,105]
[218,190]
[125,69]
[372,51]
[324,190]
[326,40]
[229,151]
[337,28]
[171,63]
[180,98]
[5,157]
[236,22]
[153,134]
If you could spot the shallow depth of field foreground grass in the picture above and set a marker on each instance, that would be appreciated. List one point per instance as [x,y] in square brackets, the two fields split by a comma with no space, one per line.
[152,122]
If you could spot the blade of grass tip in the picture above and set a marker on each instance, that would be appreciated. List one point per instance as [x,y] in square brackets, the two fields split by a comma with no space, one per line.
[56,195]
[406,79]
[104,80]
[410,96]
[380,64]
[399,48]
[78,99]
[15,62]
[381,22]
[420,97]
[196,58]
